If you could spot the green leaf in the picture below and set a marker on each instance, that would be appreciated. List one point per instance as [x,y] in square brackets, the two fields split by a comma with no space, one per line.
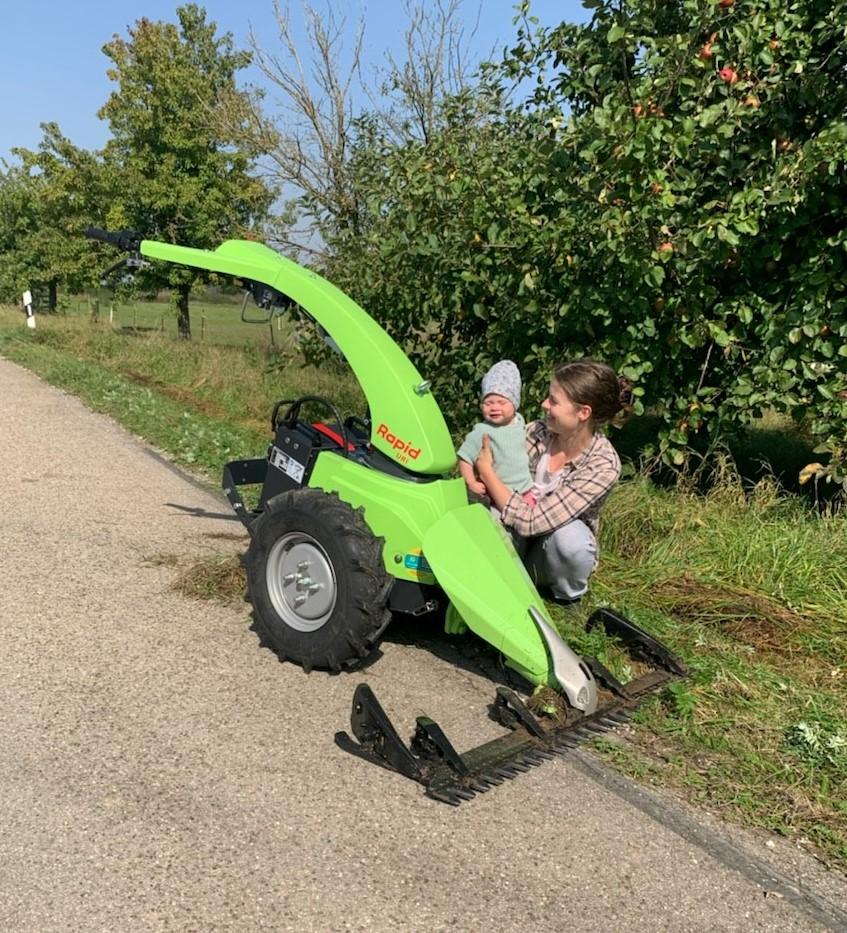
[727,235]
[655,276]
[719,335]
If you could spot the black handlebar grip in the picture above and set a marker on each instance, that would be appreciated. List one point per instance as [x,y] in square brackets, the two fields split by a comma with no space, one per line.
[123,239]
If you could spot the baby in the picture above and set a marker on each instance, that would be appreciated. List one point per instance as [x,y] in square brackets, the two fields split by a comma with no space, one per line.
[505,427]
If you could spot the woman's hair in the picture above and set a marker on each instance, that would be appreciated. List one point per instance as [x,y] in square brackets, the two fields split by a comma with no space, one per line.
[587,382]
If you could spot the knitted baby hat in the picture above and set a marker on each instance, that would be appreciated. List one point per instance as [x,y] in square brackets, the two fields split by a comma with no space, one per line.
[503,379]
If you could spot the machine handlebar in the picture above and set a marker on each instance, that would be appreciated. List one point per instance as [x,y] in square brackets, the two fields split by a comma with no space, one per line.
[124,239]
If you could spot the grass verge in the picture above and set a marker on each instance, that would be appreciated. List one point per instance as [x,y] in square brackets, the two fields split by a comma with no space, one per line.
[750,588]
[202,403]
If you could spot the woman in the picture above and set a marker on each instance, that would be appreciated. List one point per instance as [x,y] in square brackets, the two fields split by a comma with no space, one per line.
[574,468]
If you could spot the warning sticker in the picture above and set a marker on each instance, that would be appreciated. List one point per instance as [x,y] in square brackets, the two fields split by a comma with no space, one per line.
[287,465]
[418,568]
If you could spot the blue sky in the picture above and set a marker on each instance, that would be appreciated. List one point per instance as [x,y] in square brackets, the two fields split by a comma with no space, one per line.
[52,67]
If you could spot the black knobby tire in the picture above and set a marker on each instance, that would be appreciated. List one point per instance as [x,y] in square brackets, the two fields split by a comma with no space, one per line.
[317,581]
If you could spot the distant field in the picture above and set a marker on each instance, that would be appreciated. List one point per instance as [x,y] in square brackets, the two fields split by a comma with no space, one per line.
[215,318]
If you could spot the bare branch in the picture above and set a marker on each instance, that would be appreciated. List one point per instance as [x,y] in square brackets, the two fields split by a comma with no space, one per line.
[307,143]
[435,66]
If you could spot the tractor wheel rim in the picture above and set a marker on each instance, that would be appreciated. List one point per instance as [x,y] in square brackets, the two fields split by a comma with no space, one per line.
[301,581]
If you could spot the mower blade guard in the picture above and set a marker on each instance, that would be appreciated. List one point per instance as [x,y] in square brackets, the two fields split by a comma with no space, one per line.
[475,563]
[432,760]
[479,569]
[451,777]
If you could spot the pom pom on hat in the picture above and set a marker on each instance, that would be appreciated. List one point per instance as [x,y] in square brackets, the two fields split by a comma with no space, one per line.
[504,379]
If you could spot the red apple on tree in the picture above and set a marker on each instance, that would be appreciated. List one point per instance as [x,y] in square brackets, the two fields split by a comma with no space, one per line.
[730,75]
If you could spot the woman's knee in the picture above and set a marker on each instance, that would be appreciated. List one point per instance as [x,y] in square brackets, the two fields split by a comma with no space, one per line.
[573,543]
[564,560]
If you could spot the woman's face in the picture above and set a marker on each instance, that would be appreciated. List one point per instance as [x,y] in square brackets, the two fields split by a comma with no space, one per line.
[563,415]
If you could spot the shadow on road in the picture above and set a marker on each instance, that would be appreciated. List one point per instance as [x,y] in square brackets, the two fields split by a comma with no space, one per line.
[197,512]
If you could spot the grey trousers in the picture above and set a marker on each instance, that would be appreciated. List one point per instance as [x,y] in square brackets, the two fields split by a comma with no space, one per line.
[562,560]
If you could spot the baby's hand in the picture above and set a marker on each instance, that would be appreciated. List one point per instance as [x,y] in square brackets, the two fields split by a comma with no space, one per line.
[530,499]
[478,488]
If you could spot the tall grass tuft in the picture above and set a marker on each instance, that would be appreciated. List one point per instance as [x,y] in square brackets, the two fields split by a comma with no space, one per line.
[750,587]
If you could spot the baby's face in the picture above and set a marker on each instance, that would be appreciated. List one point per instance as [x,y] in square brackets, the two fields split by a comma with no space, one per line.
[496,409]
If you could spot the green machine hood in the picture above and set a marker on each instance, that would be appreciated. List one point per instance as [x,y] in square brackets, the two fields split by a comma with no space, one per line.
[407,424]
[477,566]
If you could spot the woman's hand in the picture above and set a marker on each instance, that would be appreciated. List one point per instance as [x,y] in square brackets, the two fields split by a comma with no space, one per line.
[485,460]
[498,492]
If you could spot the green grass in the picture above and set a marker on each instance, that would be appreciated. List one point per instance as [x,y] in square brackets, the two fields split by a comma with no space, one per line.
[203,403]
[749,586]
[215,318]
[751,590]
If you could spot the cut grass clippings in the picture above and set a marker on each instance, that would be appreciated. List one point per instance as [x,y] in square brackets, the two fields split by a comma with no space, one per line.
[219,577]
[749,588]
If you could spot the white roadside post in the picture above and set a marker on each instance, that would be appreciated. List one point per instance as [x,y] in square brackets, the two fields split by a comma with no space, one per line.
[30,314]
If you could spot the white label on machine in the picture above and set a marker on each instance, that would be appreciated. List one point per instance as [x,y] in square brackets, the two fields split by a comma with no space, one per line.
[288,466]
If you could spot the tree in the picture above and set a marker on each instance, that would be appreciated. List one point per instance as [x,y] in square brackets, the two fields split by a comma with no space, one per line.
[178,177]
[310,143]
[18,218]
[443,261]
[702,148]
[669,198]
[435,67]
[52,194]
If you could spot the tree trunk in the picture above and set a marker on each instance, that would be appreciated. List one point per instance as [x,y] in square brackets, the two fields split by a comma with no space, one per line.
[52,299]
[183,321]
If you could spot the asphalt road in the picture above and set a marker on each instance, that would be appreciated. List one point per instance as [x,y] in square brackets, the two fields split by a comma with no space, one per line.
[160,770]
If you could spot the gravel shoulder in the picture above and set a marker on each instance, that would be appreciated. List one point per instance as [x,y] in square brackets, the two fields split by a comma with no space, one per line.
[160,770]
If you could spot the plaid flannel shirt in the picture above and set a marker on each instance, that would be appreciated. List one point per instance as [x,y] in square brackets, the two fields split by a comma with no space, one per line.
[585,484]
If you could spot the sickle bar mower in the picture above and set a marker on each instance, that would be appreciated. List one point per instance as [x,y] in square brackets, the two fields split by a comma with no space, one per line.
[431,759]
[363,517]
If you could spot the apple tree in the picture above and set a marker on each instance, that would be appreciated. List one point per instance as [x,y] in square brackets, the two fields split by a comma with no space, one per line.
[705,144]
[669,198]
